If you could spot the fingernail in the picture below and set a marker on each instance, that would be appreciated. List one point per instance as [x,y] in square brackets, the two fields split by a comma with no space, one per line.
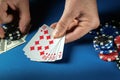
[55,33]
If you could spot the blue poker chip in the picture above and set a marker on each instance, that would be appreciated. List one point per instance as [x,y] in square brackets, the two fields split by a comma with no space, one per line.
[108,46]
[116,23]
[109,29]
[105,51]
[104,44]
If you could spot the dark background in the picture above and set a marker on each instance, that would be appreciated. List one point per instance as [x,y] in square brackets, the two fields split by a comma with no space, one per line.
[80,61]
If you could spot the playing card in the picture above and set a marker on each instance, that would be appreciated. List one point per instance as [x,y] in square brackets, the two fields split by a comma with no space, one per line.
[40,46]
[54,52]
[60,50]
[33,54]
[49,43]
[57,51]
[52,55]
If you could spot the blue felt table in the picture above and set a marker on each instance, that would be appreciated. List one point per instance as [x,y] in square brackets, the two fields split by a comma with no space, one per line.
[80,61]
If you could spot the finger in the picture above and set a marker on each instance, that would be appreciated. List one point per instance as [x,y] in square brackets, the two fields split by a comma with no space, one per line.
[24,17]
[5,18]
[73,24]
[82,29]
[53,25]
[4,6]
[84,26]
[2,33]
[63,24]
[11,5]
[76,34]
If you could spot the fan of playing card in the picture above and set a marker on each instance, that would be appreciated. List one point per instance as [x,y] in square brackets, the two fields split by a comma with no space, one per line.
[43,47]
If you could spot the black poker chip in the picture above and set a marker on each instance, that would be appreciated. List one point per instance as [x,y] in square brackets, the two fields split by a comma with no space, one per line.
[12,32]
[103,41]
[118,62]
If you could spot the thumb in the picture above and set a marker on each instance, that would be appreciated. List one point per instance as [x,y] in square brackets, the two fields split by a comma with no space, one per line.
[62,25]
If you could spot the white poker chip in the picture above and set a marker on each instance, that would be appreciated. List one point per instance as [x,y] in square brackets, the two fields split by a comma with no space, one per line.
[18,35]
[11,38]
[10,34]
[4,27]
[17,32]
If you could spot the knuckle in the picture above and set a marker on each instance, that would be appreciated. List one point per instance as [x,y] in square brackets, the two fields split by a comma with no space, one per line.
[95,23]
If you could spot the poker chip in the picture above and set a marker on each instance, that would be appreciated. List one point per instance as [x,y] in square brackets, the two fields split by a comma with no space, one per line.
[109,57]
[109,29]
[12,32]
[118,62]
[105,51]
[108,46]
[117,39]
[93,32]
[103,42]
[117,42]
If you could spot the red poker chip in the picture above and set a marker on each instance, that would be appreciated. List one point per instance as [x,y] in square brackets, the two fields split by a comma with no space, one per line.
[109,57]
[118,47]
[117,42]
[117,39]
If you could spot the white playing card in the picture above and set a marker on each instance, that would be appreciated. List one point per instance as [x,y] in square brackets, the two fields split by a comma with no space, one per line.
[60,50]
[32,55]
[41,44]
[53,52]
[26,48]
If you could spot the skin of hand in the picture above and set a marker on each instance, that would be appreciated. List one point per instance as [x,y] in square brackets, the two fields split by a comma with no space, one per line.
[79,17]
[24,14]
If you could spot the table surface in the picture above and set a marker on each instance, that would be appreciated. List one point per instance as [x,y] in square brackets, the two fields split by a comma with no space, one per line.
[80,60]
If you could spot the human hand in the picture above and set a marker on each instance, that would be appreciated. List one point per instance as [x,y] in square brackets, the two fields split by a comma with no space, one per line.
[24,14]
[79,17]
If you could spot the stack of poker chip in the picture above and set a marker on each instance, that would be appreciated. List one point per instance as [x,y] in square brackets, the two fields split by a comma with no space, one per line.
[118,62]
[107,41]
[11,32]
[104,42]
[104,45]
[117,42]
